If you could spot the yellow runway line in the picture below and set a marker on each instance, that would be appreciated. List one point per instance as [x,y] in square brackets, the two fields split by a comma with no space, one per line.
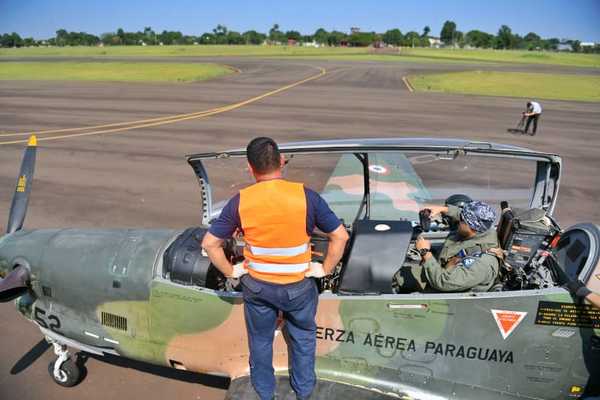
[126,126]
[408,85]
[87,128]
[234,69]
[141,121]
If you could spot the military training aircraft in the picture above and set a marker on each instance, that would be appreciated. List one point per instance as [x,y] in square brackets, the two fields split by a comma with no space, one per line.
[153,296]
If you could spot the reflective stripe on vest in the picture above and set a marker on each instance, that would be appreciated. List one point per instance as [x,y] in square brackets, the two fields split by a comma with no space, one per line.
[278,268]
[279,251]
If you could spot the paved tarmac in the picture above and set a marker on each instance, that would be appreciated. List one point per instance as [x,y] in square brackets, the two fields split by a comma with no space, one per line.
[139,177]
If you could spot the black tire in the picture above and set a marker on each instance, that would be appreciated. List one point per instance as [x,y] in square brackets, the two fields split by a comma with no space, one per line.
[70,373]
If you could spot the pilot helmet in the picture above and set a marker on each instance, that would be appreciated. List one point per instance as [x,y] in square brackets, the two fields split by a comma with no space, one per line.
[457,200]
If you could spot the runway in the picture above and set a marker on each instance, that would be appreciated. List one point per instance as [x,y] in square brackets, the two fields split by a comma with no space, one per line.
[135,173]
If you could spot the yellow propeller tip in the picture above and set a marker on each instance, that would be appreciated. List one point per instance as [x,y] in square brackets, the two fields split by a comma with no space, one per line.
[32,141]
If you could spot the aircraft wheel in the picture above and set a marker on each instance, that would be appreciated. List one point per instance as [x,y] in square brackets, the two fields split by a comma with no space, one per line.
[68,374]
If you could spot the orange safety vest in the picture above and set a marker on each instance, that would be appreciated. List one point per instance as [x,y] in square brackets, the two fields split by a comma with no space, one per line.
[273,218]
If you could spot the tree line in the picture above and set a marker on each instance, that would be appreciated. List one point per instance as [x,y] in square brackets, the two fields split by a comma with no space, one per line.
[449,36]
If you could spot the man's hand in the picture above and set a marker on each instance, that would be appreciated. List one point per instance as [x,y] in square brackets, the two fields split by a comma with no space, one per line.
[436,210]
[238,270]
[497,251]
[452,262]
[422,243]
[315,270]
[214,248]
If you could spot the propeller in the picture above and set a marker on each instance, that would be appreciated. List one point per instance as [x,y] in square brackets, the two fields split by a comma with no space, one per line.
[18,208]
[15,284]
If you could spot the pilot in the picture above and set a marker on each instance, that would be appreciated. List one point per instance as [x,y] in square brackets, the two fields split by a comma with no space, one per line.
[277,218]
[469,259]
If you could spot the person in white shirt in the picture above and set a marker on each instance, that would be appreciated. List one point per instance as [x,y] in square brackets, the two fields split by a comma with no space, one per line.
[534,110]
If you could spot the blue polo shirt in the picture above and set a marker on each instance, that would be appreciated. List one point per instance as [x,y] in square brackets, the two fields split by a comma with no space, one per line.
[318,214]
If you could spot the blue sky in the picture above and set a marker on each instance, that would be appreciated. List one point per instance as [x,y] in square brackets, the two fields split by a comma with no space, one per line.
[576,19]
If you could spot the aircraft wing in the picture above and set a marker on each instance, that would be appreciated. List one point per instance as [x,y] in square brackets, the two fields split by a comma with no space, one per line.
[241,389]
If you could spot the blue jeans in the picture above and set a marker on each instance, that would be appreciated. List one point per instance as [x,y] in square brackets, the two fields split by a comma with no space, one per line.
[298,302]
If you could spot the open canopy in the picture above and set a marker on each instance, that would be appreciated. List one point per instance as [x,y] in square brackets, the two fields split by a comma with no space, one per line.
[394,178]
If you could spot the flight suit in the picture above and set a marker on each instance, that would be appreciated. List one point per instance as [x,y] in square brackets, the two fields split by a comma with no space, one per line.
[476,269]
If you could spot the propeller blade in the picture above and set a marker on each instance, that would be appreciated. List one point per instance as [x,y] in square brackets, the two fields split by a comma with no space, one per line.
[14,285]
[18,208]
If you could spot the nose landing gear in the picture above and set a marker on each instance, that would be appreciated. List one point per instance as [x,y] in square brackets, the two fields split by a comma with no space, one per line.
[64,370]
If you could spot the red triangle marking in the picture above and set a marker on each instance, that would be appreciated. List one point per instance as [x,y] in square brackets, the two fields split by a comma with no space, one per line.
[507,321]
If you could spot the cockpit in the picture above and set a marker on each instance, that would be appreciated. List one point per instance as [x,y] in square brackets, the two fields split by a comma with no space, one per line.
[377,188]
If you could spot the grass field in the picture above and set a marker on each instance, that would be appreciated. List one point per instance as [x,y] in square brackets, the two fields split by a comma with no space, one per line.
[111,71]
[212,51]
[347,53]
[508,56]
[514,84]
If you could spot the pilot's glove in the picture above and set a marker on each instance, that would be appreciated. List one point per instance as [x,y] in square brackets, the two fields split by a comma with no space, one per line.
[578,289]
[238,270]
[315,270]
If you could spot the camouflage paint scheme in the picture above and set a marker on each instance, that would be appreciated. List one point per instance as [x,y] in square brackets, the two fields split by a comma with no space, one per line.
[407,346]
[396,190]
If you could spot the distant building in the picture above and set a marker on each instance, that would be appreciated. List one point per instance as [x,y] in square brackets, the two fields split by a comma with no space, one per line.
[564,47]
[354,29]
[588,44]
[311,44]
[435,42]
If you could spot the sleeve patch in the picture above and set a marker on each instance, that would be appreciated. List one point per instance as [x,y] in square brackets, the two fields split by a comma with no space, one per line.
[467,262]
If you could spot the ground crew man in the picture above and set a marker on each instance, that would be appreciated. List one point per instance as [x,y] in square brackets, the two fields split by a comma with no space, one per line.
[276,218]
[534,110]
[468,259]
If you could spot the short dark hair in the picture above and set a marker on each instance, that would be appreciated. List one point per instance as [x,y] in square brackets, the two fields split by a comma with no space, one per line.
[263,155]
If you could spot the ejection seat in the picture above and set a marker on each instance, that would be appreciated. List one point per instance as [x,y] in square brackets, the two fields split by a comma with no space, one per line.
[505,227]
[520,235]
[504,230]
